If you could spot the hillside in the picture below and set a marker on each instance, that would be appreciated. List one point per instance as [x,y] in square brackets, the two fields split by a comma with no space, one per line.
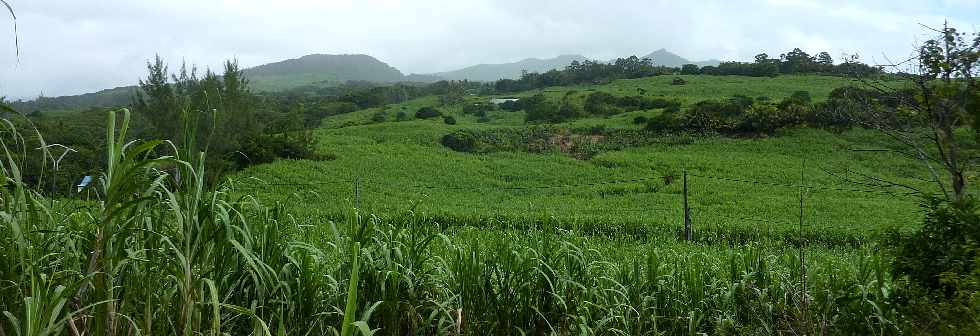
[321,69]
[402,164]
[492,72]
[105,98]
[669,59]
[315,70]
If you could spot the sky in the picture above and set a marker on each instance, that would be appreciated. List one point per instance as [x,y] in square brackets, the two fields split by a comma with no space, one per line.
[75,46]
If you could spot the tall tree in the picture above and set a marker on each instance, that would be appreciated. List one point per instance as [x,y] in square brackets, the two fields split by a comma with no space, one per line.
[944,97]
[824,58]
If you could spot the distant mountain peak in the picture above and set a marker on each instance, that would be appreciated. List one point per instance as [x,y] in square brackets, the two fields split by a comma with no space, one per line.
[513,70]
[666,58]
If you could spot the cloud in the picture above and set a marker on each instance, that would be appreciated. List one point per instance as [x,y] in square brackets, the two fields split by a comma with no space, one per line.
[71,47]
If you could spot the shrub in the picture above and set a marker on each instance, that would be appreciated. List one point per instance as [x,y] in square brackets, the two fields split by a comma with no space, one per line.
[380,116]
[460,141]
[690,69]
[401,116]
[678,81]
[479,108]
[640,120]
[427,113]
[449,120]
[511,105]
[538,108]
[941,263]
[601,103]
[483,119]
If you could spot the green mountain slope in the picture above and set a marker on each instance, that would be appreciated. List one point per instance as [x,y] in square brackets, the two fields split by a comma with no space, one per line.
[492,72]
[667,58]
[321,69]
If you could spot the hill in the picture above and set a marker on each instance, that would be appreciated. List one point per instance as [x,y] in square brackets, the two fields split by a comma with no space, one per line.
[105,98]
[492,72]
[321,69]
[667,58]
[309,70]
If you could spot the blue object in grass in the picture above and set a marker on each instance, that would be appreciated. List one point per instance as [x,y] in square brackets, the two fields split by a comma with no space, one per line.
[84,183]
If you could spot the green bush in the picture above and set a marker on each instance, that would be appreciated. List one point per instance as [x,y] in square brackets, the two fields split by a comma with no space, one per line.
[380,116]
[449,120]
[427,112]
[401,116]
[640,120]
[941,265]
[460,141]
[678,81]
[479,108]
[511,106]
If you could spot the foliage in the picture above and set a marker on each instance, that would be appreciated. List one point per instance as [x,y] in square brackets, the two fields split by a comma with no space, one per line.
[225,110]
[941,265]
[584,72]
[460,141]
[480,108]
[449,120]
[427,112]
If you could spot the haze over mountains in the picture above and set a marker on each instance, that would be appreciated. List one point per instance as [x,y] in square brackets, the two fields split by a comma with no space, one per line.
[322,70]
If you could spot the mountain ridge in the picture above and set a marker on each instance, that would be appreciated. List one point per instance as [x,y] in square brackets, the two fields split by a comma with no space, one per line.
[333,69]
[511,70]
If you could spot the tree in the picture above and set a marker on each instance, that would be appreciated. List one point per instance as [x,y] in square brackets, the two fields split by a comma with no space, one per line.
[944,98]
[796,61]
[824,58]
[762,58]
[427,112]
[690,69]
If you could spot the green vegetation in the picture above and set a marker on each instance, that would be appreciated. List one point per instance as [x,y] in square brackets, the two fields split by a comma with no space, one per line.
[560,213]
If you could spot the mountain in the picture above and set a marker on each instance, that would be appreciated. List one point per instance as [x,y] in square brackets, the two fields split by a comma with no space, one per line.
[105,98]
[309,70]
[666,58]
[321,69]
[492,72]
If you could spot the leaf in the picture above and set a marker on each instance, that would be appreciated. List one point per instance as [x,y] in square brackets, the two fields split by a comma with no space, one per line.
[16,38]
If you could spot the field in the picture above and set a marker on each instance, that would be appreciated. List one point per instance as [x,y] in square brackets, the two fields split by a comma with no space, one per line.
[743,189]
[393,233]
[624,208]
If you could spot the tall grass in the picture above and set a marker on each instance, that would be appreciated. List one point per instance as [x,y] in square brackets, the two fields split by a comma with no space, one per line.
[159,252]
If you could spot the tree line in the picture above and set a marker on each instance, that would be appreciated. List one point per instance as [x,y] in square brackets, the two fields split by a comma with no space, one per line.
[594,72]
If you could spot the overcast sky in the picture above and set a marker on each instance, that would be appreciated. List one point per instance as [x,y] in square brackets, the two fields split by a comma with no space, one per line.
[77,46]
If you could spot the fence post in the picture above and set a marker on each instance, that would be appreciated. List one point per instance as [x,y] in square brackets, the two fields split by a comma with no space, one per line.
[688,235]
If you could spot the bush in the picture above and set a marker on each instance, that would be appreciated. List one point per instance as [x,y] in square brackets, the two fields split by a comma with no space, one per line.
[690,69]
[478,108]
[460,141]
[640,120]
[678,81]
[941,263]
[401,116]
[380,116]
[427,113]
[483,119]
[511,106]
[449,120]
[538,108]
